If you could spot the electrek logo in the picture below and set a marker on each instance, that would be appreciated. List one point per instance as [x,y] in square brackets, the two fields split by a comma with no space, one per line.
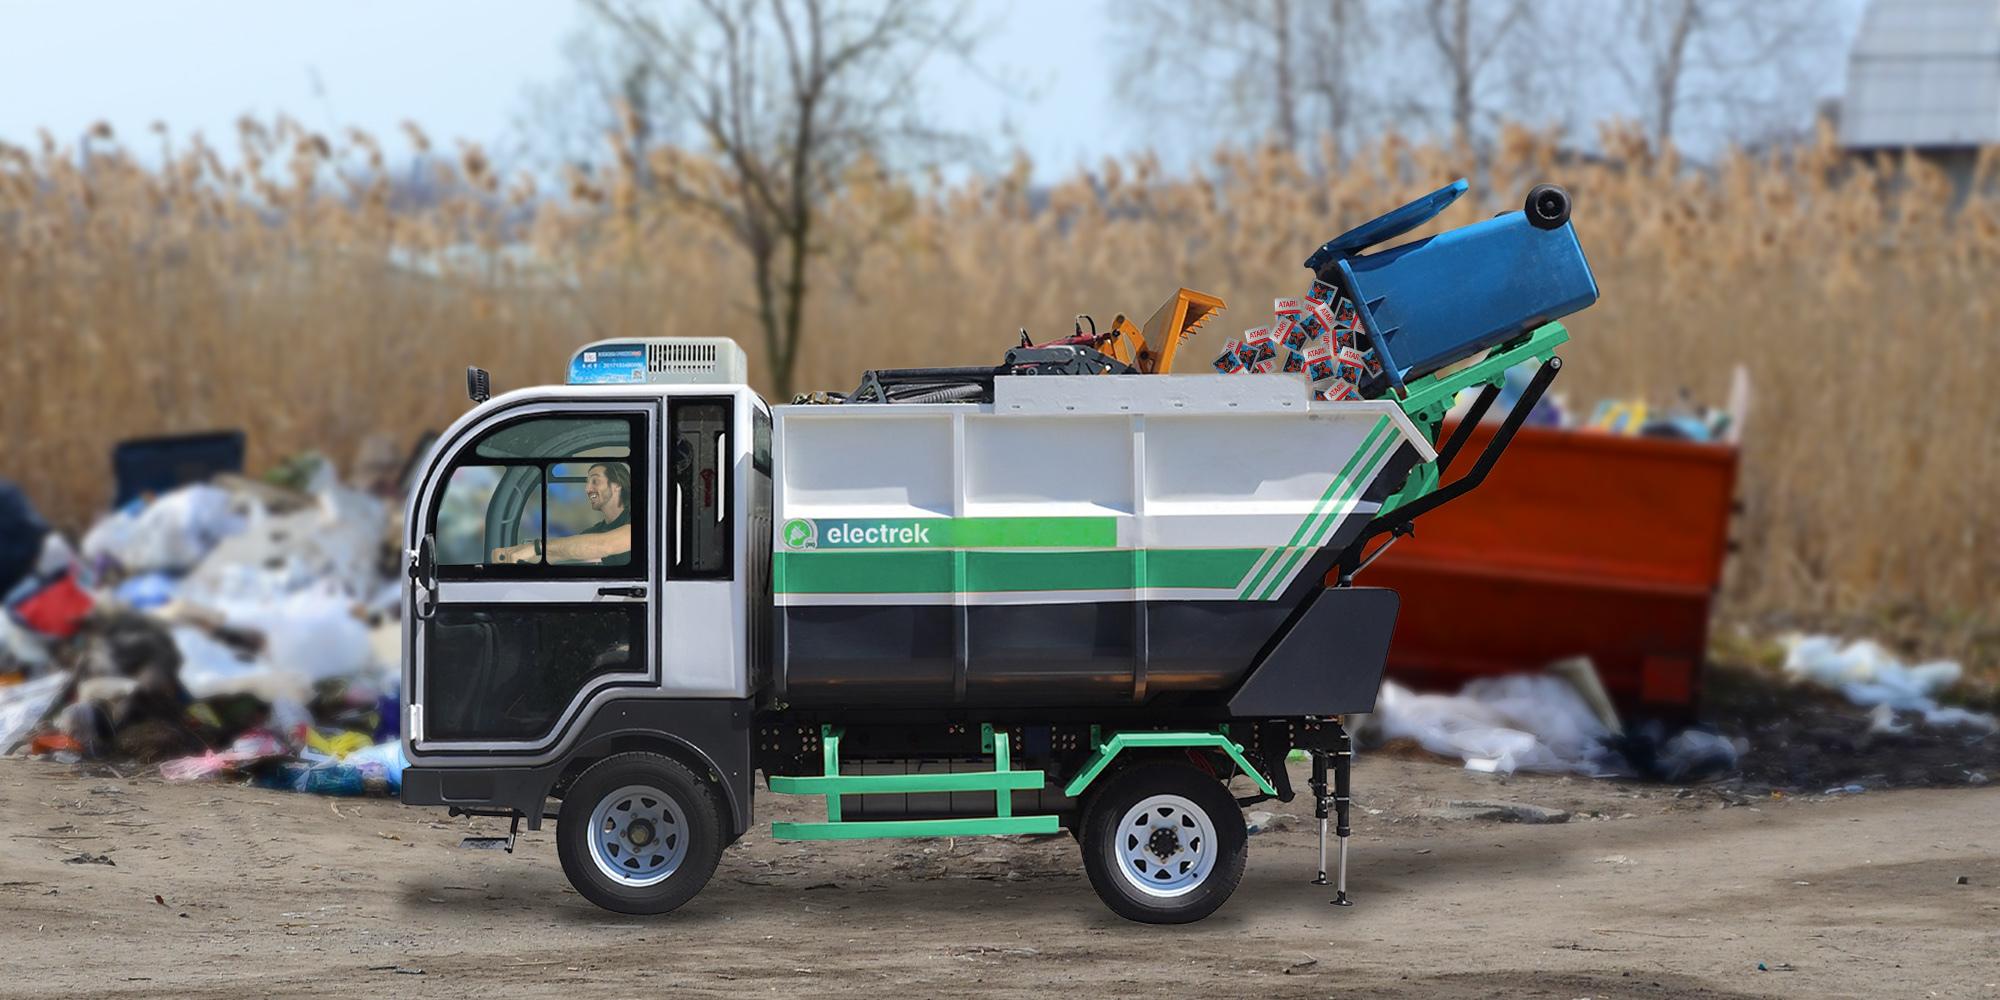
[801,533]
[886,533]
[949,533]
[873,533]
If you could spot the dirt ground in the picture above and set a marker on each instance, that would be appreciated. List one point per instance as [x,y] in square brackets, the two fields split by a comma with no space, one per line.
[116,887]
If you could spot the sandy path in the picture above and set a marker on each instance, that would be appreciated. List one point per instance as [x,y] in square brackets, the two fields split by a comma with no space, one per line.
[269,894]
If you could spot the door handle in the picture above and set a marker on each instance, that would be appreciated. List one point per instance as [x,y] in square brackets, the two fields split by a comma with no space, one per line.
[621,591]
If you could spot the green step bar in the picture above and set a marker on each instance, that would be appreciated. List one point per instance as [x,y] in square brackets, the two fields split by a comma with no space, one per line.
[1002,781]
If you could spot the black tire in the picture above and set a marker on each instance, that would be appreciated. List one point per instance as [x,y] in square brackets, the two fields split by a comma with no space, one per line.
[1547,206]
[1187,860]
[639,833]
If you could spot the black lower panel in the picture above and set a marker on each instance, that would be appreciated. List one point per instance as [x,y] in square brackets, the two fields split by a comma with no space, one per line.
[506,671]
[1020,655]
[1040,654]
[856,655]
[1329,661]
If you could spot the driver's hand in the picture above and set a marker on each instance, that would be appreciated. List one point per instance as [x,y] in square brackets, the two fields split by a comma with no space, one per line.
[515,554]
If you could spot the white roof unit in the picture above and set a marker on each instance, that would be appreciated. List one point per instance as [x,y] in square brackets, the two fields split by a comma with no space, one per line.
[676,360]
[1924,74]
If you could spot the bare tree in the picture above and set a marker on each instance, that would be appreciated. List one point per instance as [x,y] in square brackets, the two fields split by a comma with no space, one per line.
[1748,69]
[759,110]
[1275,66]
[1466,38]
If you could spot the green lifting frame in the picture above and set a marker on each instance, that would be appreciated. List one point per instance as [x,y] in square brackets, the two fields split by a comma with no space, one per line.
[1002,781]
[1430,398]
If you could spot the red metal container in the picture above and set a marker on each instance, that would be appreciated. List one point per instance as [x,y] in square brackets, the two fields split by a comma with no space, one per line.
[1576,543]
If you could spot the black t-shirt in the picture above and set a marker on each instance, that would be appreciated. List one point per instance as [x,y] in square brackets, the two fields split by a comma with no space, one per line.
[623,519]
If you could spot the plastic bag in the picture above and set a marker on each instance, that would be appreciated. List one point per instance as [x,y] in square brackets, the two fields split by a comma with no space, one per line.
[383,760]
[210,669]
[172,534]
[56,610]
[337,744]
[1869,676]
[22,707]
[1501,724]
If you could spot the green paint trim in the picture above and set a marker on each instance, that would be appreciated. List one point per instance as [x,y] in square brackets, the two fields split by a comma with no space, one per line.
[1428,399]
[1197,569]
[1106,752]
[903,533]
[863,572]
[906,784]
[1320,534]
[1108,569]
[1340,484]
[1002,781]
[975,827]
[979,571]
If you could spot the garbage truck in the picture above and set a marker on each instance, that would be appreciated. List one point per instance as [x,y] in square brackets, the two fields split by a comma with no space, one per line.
[1071,592]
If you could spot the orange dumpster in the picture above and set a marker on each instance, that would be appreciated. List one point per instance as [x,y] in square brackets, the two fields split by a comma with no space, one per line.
[1576,543]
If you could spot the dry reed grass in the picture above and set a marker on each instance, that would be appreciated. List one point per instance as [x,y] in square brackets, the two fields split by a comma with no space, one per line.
[280,296]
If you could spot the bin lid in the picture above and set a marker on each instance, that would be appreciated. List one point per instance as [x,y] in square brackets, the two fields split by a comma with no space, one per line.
[1389,226]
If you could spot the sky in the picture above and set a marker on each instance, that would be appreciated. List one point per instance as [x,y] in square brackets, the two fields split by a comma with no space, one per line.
[461,70]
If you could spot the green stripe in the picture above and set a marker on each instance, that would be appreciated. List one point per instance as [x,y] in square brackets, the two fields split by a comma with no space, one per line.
[1257,581]
[1112,569]
[879,572]
[1212,569]
[954,532]
[1318,538]
[862,572]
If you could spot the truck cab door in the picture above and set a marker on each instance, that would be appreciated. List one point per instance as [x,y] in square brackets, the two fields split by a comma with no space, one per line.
[507,646]
[702,606]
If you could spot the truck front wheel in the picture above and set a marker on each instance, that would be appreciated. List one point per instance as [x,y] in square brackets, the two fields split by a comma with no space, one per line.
[639,833]
[1163,843]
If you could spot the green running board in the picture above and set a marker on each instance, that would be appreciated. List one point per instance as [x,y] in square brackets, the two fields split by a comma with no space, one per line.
[1002,781]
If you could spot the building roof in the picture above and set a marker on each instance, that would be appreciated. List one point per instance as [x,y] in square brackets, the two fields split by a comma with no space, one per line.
[1924,73]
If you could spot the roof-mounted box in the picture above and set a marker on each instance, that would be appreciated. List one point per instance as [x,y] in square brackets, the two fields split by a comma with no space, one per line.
[676,360]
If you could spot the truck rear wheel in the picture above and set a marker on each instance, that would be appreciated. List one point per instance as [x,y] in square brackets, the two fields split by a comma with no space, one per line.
[639,833]
[1163,843]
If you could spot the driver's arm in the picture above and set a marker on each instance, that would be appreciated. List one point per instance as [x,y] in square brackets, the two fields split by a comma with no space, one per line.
[571,548]
[617,541]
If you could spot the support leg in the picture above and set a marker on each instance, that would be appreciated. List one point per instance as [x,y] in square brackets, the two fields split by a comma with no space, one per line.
[1318,784]
[1343,769]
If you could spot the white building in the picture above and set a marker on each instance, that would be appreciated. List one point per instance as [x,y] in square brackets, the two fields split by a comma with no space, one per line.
[1925,75]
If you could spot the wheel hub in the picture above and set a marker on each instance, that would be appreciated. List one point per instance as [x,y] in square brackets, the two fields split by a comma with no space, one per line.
[639,833]
[1165,846]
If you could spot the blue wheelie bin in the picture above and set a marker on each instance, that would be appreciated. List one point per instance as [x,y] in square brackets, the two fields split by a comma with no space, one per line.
[1427,304]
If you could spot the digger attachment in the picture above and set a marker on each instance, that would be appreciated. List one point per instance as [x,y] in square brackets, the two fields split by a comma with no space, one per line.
[1151,348]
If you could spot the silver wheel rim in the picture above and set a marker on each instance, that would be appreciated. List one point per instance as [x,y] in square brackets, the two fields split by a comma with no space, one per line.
[1165,846]
[638,835]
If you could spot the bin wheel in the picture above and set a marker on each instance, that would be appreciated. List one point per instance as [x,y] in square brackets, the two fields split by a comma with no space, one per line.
[639,833]
[1548,206]
[1163,843]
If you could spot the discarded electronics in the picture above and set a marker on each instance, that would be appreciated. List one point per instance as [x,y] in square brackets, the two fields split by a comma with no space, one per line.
[1046,595]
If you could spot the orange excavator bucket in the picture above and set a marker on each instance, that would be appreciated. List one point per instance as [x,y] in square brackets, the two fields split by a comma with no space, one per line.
[1151,348]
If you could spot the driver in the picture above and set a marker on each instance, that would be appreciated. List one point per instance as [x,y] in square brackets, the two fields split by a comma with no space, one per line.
[609,489]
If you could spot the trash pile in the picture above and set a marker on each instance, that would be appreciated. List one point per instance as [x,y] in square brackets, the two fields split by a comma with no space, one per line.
[233,627]
[1683,419]
[1898,697]
[1320,336]
[1559,722]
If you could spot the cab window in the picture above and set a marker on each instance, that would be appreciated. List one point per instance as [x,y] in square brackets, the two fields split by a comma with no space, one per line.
[703,457]
[547,497]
